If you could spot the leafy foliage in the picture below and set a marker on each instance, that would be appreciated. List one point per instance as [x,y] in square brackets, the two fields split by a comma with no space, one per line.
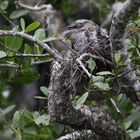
[17,124]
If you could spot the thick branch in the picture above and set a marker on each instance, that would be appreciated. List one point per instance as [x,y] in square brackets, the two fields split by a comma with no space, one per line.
[33,40]
[62,111]
[120,20]
[129,83]
[82,135]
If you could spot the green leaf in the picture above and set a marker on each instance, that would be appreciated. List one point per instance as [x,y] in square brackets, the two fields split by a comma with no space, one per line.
[27,49]
[18,13]
[32,26]
[4,5]
[102,86]
[36,115]
[22,23]
[134,117]
[120,68]
[2,54]
[128,124]
[81,100]
[44,90]
[50,39]
[102,73]
[13,42]
[8,109]
[16,118]
[37,49]
[43,119]
[40,34]
[97,78]
[91,64]
[135,134]
[117,57]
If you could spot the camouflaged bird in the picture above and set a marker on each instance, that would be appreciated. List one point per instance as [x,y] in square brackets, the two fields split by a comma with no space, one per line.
[87,37]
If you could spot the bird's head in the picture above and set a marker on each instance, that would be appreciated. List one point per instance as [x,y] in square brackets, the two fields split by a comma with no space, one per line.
[79,25]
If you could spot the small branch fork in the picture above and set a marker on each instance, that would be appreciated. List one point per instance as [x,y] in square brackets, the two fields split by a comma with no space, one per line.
[52,52]
[95,57]
[33,8]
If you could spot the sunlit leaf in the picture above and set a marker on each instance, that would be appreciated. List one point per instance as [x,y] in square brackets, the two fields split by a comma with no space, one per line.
[4,5]
[40,34]
[81,100]
[91,64]
[22,23]
[102,86]
[135,134]
[128,124]
[43,119]
[117,57]
[32,26]
[97,78]
[2,54]
[16,118]
[44,90]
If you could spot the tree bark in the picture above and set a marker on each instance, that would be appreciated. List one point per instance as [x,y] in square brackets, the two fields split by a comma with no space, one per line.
[129,83]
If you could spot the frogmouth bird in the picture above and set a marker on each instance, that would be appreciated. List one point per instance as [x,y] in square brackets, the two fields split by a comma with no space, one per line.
[87,37]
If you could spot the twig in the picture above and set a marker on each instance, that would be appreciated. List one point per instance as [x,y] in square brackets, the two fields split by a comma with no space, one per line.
[34,40]
[79,60]
[40,62]
[9,65]
[68,47]
[31,55]
[115,106]
[33,8]
[83,67]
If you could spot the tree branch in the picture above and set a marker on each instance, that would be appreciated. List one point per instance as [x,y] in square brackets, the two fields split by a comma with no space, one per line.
[120,20]
[129,83]
[82,135]
[9,65]
[62,111]
[33,8]
[52,52]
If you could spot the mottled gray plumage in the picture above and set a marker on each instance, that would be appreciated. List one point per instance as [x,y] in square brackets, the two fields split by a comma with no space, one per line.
[88,37]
